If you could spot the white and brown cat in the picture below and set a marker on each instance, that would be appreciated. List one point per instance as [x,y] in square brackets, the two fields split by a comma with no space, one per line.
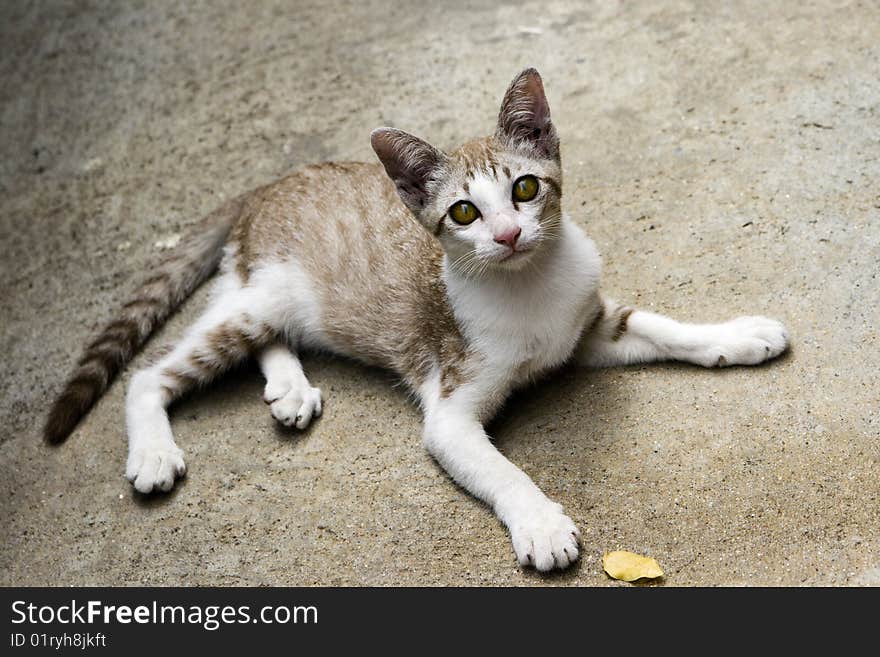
[459,271]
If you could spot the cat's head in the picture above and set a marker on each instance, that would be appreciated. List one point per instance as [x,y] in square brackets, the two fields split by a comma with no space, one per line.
[494,202]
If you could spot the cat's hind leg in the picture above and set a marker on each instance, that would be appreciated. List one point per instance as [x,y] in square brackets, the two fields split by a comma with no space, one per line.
[224,335]
[620,335]
[291,398]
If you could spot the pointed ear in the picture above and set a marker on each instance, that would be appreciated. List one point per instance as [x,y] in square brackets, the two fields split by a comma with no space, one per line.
[525,115]
[410,162]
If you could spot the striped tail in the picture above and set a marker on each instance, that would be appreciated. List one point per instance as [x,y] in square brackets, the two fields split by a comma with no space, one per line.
[176,277]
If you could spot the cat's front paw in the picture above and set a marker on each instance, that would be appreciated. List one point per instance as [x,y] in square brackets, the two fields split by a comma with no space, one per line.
[293,405]
[155,467]
[544,537]
[745,341]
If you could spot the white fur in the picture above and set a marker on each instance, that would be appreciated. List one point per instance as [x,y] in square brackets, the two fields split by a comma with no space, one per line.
[154,460]
[525,323]
[650,337]
[292,401]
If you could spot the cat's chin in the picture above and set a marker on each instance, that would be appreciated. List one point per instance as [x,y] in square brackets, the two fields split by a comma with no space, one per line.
[514,261]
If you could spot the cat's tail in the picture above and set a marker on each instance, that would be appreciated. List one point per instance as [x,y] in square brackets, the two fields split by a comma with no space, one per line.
[160,293]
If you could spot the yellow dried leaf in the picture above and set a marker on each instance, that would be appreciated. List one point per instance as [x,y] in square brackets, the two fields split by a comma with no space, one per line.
[629,567]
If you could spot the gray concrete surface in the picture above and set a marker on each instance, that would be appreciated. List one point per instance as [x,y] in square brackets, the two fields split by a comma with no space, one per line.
[724,156]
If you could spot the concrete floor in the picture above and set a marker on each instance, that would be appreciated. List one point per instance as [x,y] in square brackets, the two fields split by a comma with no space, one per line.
[724,156]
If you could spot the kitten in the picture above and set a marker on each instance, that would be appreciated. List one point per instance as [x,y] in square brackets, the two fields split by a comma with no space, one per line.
[459,271]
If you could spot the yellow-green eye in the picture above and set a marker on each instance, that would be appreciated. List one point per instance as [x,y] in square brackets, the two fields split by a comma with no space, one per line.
[525,188]
[464,212]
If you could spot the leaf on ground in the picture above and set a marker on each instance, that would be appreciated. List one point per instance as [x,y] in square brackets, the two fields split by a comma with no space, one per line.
[629,567]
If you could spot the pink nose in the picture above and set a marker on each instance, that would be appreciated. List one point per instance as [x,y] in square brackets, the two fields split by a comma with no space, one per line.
[509,236]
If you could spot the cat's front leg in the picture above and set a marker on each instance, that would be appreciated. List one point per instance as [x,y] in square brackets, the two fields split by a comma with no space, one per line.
[619,335]
[291,398]
[543,536]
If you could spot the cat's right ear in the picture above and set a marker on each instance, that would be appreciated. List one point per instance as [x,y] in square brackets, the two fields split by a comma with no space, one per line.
[411,163]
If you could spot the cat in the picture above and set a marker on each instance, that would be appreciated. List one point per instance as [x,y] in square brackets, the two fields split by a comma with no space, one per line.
[459,271]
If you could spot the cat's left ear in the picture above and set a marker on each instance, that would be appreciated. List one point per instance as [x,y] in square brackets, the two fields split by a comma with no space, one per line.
[525,116]
[410,162]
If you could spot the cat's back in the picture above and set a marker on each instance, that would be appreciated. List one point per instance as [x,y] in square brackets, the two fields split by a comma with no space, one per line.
[332,215]
[374,271]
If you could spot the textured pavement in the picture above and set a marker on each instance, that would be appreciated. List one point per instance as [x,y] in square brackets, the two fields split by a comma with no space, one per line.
[725,157]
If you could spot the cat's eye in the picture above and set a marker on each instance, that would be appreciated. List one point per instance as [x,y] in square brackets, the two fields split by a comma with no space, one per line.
[464,212]
[525,188]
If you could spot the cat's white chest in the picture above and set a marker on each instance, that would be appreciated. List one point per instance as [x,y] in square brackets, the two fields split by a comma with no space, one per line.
[530,323]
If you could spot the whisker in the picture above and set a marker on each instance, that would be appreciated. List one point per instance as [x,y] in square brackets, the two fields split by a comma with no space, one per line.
[462,261]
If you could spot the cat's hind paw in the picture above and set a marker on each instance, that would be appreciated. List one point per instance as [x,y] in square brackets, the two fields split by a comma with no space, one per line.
[545,538]
[155,468]
[295,405]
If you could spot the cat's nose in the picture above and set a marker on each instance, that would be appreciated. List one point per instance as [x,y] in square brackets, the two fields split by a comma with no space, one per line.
[509,236]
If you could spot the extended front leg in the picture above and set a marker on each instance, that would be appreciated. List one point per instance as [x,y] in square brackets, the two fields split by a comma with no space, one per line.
[621,336]
[543,536]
